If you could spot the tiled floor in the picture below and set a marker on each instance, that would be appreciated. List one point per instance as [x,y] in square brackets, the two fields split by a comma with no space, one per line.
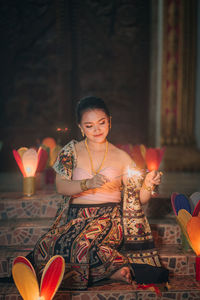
[180,288]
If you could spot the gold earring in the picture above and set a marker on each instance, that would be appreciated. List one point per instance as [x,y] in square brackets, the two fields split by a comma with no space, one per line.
[110,122]
[82,132]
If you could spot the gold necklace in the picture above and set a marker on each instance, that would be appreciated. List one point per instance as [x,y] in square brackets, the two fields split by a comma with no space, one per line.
[90,156]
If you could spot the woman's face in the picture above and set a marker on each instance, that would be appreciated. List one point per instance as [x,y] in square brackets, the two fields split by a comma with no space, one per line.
[95,124]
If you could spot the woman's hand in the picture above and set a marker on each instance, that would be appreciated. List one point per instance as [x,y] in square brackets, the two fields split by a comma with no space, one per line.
[97,181]
[153,178]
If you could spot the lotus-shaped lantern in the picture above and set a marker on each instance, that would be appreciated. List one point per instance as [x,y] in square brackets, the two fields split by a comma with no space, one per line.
[187,213]
[30,162]
[26,281]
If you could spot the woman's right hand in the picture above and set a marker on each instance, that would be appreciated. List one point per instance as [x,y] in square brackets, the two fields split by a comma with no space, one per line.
[97,181]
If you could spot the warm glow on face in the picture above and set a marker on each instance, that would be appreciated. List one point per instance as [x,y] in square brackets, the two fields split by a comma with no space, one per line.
[95,124]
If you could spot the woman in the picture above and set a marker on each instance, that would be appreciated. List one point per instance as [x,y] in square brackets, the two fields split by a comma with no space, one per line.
[99,235]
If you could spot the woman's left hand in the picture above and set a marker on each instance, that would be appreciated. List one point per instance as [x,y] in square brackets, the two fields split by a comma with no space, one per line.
[153,178]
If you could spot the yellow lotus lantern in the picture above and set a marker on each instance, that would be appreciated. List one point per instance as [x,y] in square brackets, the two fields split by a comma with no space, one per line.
[191,229]
[29,162]
[26,280]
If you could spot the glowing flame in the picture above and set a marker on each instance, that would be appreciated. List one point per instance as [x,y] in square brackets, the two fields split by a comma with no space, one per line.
[29,160]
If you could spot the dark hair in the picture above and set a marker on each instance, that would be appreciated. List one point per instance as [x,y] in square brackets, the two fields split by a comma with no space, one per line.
[89,103]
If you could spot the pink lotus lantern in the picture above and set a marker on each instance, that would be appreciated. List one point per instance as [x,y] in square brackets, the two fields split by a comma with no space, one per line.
[30,162]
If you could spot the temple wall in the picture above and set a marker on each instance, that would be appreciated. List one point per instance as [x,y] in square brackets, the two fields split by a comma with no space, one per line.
[54,53]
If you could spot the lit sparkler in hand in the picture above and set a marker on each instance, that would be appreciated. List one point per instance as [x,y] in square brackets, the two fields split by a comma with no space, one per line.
[134,176]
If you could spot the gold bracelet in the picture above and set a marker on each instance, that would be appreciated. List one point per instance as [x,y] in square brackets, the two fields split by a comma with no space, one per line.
[148,188]
[84,185]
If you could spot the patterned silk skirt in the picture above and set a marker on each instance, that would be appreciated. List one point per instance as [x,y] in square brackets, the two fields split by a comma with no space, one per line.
[90,242]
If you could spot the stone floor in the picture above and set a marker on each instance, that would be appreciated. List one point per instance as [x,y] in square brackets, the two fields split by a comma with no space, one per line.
[24,219]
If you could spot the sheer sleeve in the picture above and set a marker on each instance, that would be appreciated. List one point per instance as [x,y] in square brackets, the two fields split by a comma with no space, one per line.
[66,161]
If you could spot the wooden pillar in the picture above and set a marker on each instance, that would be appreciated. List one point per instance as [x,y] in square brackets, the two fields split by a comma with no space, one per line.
[178,85]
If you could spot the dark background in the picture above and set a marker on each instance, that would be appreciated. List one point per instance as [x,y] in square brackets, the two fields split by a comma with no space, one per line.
[55,52]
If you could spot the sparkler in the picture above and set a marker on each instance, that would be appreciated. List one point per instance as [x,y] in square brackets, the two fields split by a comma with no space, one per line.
[131,172]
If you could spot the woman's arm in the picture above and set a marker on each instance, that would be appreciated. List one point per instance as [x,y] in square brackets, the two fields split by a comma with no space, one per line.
[72,187]
[152,178]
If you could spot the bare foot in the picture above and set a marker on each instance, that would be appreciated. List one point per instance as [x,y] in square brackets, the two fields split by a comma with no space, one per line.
[123,274]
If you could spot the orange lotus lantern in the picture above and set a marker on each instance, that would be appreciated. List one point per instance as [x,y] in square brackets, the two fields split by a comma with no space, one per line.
[153,157]
[193,230]
[30,161]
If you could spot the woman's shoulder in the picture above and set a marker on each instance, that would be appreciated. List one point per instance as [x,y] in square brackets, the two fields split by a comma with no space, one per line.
[122,155]
[68,150]
[70,146]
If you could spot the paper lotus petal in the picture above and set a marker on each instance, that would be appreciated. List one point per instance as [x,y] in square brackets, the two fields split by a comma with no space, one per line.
[42,159]
[182,202]
[194,199]
[193,230]
[29,160]
[25,281]
[52,277]
[154,157]
[21,151]
[143,150]
[196,211]
[19,162]
[183,218]
[126,147]
[25,261]
[138,157]
[172,202]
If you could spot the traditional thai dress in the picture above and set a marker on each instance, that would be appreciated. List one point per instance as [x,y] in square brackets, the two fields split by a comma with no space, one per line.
[96,240]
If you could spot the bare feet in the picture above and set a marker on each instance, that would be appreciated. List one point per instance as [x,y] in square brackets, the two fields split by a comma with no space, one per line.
[123,274]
